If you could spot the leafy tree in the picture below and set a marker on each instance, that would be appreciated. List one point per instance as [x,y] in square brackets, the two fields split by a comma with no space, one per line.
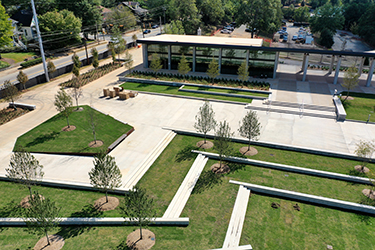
[42,216]
[76,64]
[95,58]
[186,11]
[366,27]
[301,14]
[250,126]
[352,13]
[183,66]
[118,41]
[288,12]
[6,29]
[326,38]
[175,27]
[134,38]
[122,18]
[213,70]
[138,206]
[62,26]
[10,92]
[51,68]
[223,140]
[128,61]
[105,175]
[24,168]
[63,103]
[76,91]
[212,11]
[365,150]
[243,72]
[351,80]
[205,119]
[111,47]
[155,64]
[22,78]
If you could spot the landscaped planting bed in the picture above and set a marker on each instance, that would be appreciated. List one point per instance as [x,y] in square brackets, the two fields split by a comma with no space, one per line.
[8,114]
[48,137]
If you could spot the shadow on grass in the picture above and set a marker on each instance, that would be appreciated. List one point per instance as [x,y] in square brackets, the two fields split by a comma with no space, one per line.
[12,209]
[87,211]
[185,154]
[354,172]
[207,180]
[122,246]
[43,138]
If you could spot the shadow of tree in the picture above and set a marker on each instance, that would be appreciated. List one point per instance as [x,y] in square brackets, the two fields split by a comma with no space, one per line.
[87,211]
[356,173]
[122,246]
[206,181]
[43,138]
[185,154]
[12,209]
[364,218]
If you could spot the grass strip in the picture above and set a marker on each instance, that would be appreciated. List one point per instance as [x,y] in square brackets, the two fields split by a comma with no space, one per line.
[360,107]
[227,91]
[18,57]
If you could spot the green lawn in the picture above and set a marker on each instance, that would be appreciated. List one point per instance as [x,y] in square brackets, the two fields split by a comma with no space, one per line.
[360,107]
[238,91]
[4,64]
[174,91]
[48,137]
[19,56]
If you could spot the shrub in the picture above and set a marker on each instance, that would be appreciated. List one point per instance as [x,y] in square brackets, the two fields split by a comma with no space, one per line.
[31,63]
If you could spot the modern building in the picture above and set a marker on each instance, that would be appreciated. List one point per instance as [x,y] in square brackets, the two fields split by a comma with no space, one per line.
[231,52]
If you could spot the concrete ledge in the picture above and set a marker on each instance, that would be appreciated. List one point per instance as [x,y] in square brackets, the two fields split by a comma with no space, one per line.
[106,221]
[22,105]
[276,145]
[291,112]
[338,204]
[68,185]
[340,111]
[119,140]
[245,247]
[221,94]
[294,169]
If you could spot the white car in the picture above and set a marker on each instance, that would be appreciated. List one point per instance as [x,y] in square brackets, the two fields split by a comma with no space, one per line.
[225,31]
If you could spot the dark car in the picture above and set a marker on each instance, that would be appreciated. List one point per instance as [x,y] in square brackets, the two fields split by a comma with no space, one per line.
[229,28]
[155,26]
[146,31]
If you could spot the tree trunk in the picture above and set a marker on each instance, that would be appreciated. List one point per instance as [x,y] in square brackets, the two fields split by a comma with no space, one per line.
[94,136]
[204,138]
[67,119]
[48,243]
[106,196]
[248,149]
[31,195]
[140,228]
[77,102]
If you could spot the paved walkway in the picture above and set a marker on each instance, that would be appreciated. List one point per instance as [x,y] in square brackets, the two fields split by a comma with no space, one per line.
[182,195]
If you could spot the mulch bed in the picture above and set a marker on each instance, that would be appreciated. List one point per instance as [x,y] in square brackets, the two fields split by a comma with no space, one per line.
[133,240]
[369,193]
[57,242]
[101,204]
[25,201]
[96,144]
[359,168]
[224,169]
[68,128]
[8,114]
[246,151]
[206,145]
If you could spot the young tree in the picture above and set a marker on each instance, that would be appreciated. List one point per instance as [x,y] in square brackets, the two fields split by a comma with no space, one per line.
[76,91]
[95,58]
[25,169]
[22,78]
[138,206]
[243,73]
[204,120]
[51,68]
[105,174]
[117,41]
[213,70]
[123,17]
[128,61]
[63,103]
[134,38]
[42,216]
[365,150]
[155,64]
[175,27]
[6,29]
[183,66]
[111,47]
[351,80]
[223,140]
[10,92]
[250,126]
[76,65]
[93,121]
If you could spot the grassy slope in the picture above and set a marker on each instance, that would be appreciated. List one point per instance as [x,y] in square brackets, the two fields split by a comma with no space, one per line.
[48,137]
[360,107]
[18,57]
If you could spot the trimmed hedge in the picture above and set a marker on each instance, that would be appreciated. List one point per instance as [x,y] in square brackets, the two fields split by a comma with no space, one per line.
[31,62]
[334,68]
[200,79]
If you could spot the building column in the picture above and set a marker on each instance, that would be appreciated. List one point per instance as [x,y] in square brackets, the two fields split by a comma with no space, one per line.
[169,56]
[303,61]
[305,64]
[361,66]
[247,59]
[220,56]
[331,65]
[370,73]
[276,64]
[337,71]
[194,57]
[145,55]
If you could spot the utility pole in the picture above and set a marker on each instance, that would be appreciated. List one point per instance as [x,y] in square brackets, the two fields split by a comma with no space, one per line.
[97,35]
[164,14]
[160,25]
[87,55]
[40,41]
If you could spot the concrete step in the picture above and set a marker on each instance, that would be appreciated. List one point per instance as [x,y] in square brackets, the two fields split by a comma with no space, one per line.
[136,175]
[233,236]
[182,195]
[297,105]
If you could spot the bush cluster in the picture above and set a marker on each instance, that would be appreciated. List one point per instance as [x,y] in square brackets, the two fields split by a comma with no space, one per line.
[92,75]
[31,62]
[200,79]
[334,68]
[6,115]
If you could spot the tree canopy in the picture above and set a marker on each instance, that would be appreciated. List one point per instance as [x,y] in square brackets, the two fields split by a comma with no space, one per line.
[6,29]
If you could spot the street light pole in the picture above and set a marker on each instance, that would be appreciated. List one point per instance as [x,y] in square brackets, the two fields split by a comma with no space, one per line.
[40,41]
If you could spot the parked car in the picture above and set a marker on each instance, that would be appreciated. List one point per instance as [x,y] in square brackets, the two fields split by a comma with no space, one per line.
[146,31]
[225,31]
[295,37]
[155,26]
[229,28]
[285,38]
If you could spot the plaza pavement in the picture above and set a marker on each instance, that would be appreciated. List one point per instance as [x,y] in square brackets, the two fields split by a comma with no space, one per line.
[150,113]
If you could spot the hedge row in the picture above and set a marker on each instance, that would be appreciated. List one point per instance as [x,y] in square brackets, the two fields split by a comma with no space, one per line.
[31,62]
[92,75]
[334,68]
[200,79]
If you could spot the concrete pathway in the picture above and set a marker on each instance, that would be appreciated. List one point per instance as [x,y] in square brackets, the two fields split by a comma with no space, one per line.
[180,199]
[233,236]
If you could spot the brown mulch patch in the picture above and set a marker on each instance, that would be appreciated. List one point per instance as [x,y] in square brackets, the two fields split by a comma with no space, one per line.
[70,128]
[25,201]
[101,204]
[349,98]
[8,114]
[369,193]
[57,242]
[148,240]
[8,60]
[224,169]
[359,169]
[206,145]
[246,151]
[96,144]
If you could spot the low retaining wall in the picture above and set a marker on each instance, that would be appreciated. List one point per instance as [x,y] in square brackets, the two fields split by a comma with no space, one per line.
[106,221]
[221,94]
[119,140]
[339,204]
[22,105]
[340,110]
[294,169]
[276,145]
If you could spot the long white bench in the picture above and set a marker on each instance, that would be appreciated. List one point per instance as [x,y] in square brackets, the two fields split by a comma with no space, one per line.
[340,111]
